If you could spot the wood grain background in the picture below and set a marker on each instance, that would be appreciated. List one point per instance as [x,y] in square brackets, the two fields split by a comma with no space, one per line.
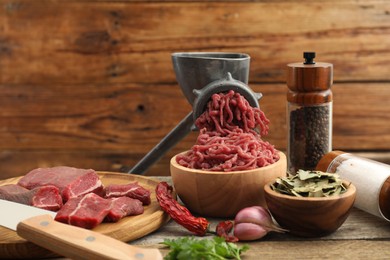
[90,83]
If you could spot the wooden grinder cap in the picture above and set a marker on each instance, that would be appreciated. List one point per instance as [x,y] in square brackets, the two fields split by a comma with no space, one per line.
[309,82]
[309,76]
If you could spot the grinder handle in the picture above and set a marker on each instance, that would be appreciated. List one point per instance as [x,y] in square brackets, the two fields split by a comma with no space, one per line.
[170,140]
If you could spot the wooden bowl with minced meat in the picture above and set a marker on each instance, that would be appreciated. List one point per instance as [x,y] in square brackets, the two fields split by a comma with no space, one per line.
[223,194]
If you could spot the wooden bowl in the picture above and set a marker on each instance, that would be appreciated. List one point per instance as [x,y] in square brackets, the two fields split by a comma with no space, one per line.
[310,217]
[223,194]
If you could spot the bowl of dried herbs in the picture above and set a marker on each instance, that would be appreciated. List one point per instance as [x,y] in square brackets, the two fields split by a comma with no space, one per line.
[310,203]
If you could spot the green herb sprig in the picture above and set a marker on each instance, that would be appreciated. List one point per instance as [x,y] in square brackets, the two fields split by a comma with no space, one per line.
[310,184]
[205,249]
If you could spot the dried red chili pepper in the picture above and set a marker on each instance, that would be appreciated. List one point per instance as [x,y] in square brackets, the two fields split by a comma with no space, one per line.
[179,213]
[223,228]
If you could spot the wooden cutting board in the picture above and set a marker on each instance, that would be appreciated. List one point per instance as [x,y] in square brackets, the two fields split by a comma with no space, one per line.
[127,229]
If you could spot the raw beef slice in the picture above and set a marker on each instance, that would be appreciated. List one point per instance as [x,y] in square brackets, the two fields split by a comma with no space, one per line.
[86,212]
[132,190]
[45,197]
[122,207]
[72,182]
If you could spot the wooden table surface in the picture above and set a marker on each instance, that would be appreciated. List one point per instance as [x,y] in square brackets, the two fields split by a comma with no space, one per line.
[362,236]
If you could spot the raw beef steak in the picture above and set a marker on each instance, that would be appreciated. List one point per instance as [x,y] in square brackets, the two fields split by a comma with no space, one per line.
[15,193]
[72,182]
[86,212]
[122,207]
[132,190]
[45,197]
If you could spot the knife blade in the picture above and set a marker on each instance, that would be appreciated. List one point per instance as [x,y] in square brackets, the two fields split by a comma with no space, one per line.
[39,227]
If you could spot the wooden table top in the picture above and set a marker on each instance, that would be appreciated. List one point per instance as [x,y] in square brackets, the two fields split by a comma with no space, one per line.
[362,236]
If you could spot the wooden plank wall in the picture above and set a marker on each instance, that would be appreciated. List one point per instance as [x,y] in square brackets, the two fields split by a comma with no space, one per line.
[90,83]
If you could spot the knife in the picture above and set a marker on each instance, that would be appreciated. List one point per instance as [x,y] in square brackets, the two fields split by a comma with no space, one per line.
[39,227]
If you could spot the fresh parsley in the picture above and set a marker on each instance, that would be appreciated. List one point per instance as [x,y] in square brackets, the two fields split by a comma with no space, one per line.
[205,249]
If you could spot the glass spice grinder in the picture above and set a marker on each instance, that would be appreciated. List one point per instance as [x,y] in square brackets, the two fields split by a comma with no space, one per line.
[309,113]
[371,179]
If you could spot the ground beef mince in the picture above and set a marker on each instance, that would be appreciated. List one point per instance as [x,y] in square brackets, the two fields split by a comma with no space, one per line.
[228,140]
[226,112]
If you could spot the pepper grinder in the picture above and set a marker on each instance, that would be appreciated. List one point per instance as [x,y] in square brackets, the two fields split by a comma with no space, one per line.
[309,112]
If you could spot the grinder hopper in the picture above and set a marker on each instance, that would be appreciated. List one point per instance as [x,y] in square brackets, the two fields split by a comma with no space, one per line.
[200,75]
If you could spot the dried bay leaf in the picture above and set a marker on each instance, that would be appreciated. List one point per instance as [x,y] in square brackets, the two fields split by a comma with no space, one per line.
[310,184]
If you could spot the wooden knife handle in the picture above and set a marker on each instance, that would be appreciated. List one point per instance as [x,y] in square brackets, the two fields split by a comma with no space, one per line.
[79,243]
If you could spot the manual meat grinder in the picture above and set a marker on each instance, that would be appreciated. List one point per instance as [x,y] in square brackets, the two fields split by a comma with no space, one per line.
[200,75]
